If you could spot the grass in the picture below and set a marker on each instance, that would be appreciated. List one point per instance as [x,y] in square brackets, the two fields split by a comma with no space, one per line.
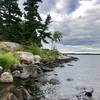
[48,54]
[44,53]
[7,59]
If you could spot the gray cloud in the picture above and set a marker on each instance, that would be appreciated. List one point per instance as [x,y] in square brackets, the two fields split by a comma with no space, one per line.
[83,30]
[71,5]
[46,6]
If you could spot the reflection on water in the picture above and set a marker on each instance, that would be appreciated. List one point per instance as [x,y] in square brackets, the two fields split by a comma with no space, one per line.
[85,73]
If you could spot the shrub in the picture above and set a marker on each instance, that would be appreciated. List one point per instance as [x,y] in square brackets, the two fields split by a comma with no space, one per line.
[7,59]
[34,48]
[48,54]
[44,53]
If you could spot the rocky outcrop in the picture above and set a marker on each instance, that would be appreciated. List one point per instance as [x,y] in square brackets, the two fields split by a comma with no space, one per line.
[10,46]
[54,81]
[11,92]
[25,71]
[6,77]
[28,58]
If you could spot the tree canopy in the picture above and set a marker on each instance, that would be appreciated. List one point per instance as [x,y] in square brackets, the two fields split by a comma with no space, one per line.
[33,29]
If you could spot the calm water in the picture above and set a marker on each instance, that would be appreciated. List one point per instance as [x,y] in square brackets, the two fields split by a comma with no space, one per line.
[84,73]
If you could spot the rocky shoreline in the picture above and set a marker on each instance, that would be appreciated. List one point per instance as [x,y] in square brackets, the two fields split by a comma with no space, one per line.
[21,82]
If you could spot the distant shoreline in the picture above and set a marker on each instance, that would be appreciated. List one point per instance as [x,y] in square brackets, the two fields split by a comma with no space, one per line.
[81,53]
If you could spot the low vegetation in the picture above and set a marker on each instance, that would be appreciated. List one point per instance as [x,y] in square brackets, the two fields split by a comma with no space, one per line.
[43,53]
[7,59]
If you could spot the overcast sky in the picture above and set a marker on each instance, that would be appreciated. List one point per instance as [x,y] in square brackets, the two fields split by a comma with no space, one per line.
[78,20]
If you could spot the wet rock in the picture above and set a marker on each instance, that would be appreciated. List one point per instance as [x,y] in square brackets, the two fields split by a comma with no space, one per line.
[55,74]
[16,74]
[61,65]
[6,77]
[46,69]
[54,81]
[69,64]
[69,79]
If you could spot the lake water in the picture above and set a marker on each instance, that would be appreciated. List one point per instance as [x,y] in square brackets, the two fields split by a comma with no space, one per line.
[85,73]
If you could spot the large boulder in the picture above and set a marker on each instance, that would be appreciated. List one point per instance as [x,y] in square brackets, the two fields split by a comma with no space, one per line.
[6,77]
[11,92]
[10,46]
[25,71]
[28,57]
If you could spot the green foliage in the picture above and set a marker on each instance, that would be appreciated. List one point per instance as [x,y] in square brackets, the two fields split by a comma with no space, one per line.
[35,29]
[48,54]
[34,48]
[10,12]
[7,59]
[57,36]
[44,53]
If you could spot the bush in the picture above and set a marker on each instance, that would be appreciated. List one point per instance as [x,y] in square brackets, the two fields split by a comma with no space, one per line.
[7,59]
[48,54]
[44,53]
[34,48]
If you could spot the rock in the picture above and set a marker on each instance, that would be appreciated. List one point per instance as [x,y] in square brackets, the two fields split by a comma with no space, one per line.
[15,67]
[69,64]
[26,94]
[10,46]
[11,92]
[37,58]
[69,79]
[25,71]
[1,70]
[28,57]
[54,81]
[16,74]
[61,65]
[46,69]
[24,75]
[6,77]
[25,57]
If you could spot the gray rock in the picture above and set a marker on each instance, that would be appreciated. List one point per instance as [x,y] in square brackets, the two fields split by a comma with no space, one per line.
[10,46]
[24,75]
[28,57]
[18,67]
[1,70]
[6,77]
[54,81]
[69,79]
[16,74]
[46,69]
[11,92]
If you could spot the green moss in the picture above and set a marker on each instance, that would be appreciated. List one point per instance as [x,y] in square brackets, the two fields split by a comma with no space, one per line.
[7,59]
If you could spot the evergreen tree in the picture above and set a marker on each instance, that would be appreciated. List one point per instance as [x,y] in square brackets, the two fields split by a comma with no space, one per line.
[35,29]
[10,12]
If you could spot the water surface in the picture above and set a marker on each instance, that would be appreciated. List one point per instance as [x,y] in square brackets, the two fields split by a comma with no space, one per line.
[84,73]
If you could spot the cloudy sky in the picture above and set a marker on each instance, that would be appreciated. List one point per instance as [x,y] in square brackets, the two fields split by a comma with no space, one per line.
[78,20]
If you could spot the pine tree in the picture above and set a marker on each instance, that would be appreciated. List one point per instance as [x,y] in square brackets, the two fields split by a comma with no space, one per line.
[35,29]
[10,12]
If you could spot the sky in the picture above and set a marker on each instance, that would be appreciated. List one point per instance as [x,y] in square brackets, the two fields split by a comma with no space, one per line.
[78,20]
